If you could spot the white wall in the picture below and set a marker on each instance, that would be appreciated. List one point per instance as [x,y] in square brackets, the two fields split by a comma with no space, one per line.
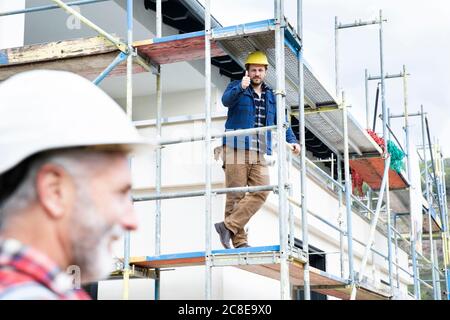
[179,103]
[12,27]
[55,25]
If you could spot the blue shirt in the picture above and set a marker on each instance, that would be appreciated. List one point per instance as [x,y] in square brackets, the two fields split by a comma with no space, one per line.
[241,115]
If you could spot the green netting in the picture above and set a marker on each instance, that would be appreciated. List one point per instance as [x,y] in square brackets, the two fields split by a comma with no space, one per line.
[397,156]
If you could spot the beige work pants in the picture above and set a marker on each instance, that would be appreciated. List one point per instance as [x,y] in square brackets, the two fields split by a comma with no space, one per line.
[243,168]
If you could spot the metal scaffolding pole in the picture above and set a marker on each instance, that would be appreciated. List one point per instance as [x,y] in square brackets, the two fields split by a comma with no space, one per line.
[439,199]
[432,151]
[130,58]
[199,193]
[337,27]
[49,7]
[340,214]
[303,196]
[129,108]
[445,234]
[436,264]
[385,137]
[281,137]
[409,151]
[446,242]
[397,275]
[373,226]
[417,114]
[387,76]
[346,156]
[369,201]
[233,133]
[158,168]
[442,189]
[336,57]
[348,193]
[119,44]
[366,85]
[207,154]
[290,197]
[389,217]
[430,205]
[332,166]
[291,217]
[118,60]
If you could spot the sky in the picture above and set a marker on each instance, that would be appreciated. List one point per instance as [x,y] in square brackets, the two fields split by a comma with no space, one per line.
[416,34]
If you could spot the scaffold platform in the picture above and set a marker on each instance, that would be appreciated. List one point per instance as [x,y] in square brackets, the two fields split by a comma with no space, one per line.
[263,261]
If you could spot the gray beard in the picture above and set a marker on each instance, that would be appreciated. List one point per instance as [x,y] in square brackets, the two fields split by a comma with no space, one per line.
[90,236]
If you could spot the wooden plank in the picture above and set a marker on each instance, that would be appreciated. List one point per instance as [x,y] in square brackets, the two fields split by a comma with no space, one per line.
[272,271]
[177,50]
[56,50]
[295,273]
[262,270]
[371,171]
[317,277]
[87,57]
[89,67]
[345,292]
[324,283]
[171,263]
[370,294]
[334,292]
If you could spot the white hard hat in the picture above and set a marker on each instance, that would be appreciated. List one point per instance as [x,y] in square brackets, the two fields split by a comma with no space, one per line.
[45,110]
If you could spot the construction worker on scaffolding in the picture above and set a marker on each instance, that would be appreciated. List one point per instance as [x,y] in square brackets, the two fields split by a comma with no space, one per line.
[251,104]
[64,184]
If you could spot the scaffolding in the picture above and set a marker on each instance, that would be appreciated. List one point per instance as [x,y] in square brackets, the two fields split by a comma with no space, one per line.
[320,112]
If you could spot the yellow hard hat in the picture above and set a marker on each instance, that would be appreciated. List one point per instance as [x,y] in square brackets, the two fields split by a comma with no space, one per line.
[257,57]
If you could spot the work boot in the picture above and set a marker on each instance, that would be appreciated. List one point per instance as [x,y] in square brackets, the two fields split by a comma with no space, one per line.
[224,233]
[243,245]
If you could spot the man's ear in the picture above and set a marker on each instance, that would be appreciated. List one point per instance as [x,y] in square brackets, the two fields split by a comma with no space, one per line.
[55,190]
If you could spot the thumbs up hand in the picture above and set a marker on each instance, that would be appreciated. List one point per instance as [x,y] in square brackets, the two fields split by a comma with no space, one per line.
[245,81]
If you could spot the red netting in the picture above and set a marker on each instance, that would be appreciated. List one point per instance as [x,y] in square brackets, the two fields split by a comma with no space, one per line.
[357,183]
[377,139]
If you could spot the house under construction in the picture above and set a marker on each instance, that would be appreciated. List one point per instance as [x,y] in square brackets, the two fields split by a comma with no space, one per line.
[347,219]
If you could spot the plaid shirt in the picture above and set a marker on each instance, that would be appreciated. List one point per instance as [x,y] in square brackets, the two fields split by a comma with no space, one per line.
[26,274]
[258,141]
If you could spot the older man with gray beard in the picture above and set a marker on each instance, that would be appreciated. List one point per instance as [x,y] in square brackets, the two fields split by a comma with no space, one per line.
[64,183]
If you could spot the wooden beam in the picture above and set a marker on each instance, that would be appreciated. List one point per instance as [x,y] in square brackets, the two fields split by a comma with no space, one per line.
[170,263]
[56,50]
[177,50]
[87,57]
